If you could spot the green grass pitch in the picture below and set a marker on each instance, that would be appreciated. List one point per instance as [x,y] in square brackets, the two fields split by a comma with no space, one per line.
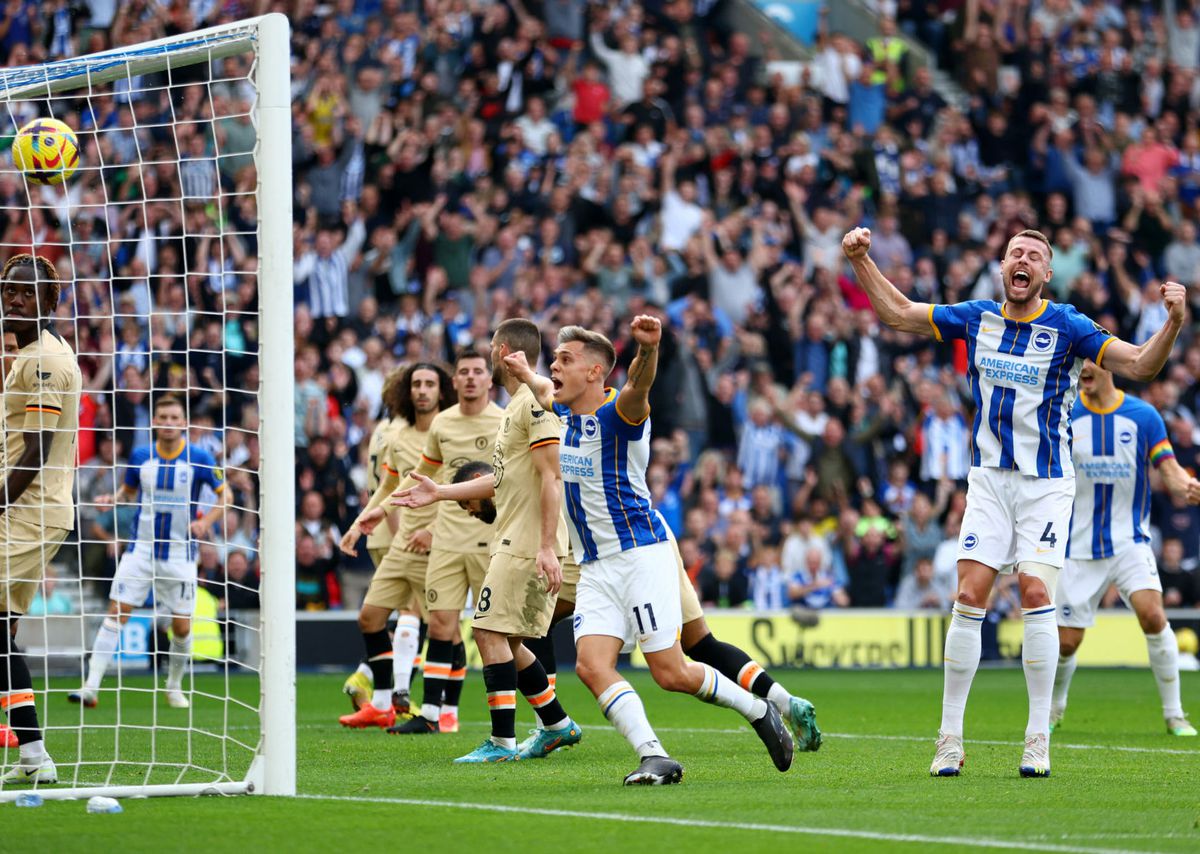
[1119,782]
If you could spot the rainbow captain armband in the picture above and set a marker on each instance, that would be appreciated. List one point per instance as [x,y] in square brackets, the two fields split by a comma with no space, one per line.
[1161,451]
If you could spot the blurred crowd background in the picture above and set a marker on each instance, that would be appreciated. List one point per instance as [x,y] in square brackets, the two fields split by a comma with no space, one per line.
[460,162]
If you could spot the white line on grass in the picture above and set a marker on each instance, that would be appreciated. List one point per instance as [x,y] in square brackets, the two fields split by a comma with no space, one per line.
[1171,751]
[839,832]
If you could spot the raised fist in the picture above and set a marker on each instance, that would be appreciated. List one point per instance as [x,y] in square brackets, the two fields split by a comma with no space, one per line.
[1175,299]
[856,243]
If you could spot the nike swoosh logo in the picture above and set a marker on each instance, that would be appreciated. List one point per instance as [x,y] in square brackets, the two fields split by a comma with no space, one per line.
[989,328]
[1042,551]
[1035,661]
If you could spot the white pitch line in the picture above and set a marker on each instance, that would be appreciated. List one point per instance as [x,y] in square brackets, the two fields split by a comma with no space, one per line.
[1170,751]
[838,832]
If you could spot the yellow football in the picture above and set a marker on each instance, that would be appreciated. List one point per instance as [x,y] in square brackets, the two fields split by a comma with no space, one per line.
[46,151]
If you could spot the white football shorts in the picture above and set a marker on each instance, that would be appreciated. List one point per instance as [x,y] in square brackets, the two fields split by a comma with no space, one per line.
[174,583]
[1082,583]
[633,596]
[1011,517]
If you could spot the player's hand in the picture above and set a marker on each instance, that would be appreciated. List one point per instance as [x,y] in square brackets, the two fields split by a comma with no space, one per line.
[518,366]
[105,500]
[1175,299]
[856,243]
[1193,491]
[549,569]
[201,528]
[646,330]
[368,520]
[421,495]
[420,542]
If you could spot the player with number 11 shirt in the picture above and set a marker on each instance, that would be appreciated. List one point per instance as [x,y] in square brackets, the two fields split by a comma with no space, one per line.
[1025,356]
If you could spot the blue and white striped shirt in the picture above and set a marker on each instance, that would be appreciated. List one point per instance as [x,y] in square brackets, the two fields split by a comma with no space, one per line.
[603,459]
[169,489]
[328,278]
[1023,374]
[1113,451]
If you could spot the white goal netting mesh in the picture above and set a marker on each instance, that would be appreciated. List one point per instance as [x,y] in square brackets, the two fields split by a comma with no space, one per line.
[156,238]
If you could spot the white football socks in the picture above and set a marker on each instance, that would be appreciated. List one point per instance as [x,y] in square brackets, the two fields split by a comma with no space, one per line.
[1164,661]
[963,645]
[1040,658]
[624,710]
[780,698]
[404,650]
[107,638]
[722,692]
[177,661]
[1062,682]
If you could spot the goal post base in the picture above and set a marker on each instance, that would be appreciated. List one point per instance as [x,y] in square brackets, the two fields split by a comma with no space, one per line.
[186,790]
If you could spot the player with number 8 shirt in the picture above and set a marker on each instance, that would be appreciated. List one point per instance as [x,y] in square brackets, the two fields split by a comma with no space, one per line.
[1025,356]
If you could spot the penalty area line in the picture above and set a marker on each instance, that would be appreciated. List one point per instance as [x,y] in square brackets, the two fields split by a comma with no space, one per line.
[837,832]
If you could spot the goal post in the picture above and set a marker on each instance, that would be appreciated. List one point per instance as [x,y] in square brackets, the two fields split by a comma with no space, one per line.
[238,735]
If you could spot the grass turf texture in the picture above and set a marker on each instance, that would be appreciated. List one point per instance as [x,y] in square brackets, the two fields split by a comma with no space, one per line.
[871,777]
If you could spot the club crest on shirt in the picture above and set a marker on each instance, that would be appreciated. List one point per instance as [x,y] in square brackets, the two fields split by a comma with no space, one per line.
[1042,340]
[970,541]
[589,426]
[1125,437]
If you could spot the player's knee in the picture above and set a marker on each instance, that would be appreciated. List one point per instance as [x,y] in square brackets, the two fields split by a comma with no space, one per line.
[1152,620]
[367,622]
[970,598]
[673,677]
[1068,646]
[589,672]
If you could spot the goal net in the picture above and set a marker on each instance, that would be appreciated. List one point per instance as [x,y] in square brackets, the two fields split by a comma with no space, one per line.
[173,243]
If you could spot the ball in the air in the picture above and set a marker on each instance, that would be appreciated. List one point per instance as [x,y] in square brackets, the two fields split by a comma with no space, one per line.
[1188,642]
[46,151]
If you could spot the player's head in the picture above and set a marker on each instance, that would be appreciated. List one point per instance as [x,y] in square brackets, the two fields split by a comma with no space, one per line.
[482,509]
[582,359]
[514,334]
[1094,380]
[472,375]
[1026,266]
[170,418]
[30,292]
[426,388]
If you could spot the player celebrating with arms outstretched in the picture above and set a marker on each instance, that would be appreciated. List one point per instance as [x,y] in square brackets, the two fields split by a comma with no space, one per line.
[1025,359]
[1117,440]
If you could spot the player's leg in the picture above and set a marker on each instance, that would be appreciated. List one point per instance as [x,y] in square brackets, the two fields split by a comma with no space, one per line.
[446,585]
[175,590]
[476,566]
[377,607]
[1069,640]
[17,702]
[596,656]
[555,728]
[1164,657]
[1043,520]
[1081,586]
[962,651]
[360,684]
[130,586]
[25,550]
[543,647]
[985,544]
[500,683]
[405,645]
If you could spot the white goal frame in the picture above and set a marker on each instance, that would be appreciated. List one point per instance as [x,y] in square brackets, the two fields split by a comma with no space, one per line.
[272,769]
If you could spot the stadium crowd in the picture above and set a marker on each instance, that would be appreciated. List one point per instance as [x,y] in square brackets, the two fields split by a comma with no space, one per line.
[458,163]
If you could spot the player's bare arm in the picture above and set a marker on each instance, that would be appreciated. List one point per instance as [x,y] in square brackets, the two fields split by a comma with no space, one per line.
[545,461]
[376,510]
[203,526]
[893,308]
[28,466]
[1143,362]
[542,387]
[426,491]
[633,403]
[123,495]
[1178,482]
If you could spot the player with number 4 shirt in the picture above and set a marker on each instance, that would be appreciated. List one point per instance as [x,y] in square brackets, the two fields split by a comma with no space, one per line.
[1025,356]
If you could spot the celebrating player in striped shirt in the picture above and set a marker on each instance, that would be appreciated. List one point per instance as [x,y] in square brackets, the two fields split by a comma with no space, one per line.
[1117,438]
[1025,357]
